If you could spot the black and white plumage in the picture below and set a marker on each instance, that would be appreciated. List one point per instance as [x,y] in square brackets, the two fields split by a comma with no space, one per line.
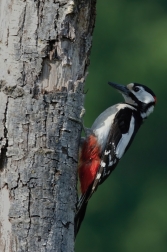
[111,135]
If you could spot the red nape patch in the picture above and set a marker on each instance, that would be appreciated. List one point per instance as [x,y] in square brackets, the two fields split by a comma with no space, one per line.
[89,162]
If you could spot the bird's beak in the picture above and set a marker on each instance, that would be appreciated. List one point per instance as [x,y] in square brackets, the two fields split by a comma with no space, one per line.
[123,89]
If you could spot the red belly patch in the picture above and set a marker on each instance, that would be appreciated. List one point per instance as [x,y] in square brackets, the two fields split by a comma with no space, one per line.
[89,162]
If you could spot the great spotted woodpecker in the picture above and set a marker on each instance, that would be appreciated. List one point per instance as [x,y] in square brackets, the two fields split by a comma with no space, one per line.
[110,136]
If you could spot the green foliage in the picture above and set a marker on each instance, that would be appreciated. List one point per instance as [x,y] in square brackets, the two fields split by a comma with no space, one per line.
[129,211]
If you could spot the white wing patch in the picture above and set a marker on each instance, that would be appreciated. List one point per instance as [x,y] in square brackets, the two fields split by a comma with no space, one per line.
[107,152]
[125,139]
[98,175]
[103,164]
[110,163]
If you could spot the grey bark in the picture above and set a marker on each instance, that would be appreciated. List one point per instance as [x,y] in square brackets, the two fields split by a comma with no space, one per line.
[44,54]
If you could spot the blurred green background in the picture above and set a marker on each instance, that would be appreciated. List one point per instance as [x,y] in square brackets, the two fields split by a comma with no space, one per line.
[129,211]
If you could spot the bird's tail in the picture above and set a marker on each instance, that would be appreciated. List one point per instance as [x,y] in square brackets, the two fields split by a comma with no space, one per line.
[81,210]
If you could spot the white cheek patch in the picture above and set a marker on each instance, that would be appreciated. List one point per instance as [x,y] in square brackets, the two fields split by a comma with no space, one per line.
[125,139]
[143,96]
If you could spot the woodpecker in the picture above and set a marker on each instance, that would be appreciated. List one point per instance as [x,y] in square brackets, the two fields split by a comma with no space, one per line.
[109,138]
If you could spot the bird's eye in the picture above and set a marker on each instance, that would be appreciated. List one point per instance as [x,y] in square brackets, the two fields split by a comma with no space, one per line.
[136,89]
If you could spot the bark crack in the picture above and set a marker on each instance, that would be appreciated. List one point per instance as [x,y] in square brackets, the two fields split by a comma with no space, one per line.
[29,205]
[3,158]
[18,179]
[7,37]
[22,27]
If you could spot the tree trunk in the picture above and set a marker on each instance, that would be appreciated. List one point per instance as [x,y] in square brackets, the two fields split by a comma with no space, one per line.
[44,50]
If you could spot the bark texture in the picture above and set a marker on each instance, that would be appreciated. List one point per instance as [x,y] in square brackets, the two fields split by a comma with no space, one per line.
[44,50]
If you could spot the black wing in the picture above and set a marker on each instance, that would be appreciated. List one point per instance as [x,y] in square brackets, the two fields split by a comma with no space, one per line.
[121,125]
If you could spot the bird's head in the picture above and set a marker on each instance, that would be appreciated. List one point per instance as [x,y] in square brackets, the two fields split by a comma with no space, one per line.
[139,96]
